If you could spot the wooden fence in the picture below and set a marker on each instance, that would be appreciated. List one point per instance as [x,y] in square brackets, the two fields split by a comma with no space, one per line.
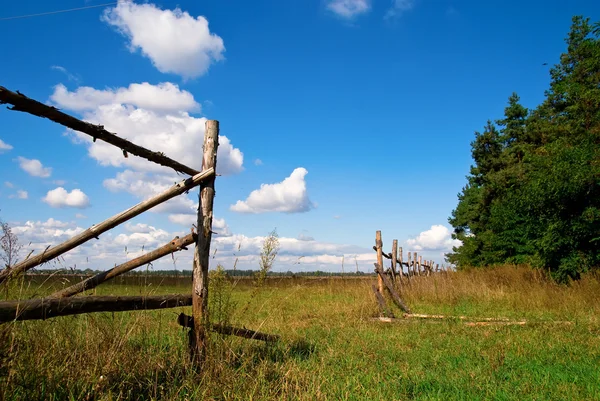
[392,280]
[63,303]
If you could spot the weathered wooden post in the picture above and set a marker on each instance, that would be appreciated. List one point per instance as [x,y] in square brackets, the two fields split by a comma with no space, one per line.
[415,266]
[379,246]
[394,258]
[400,261]
[409,265]
[202,251]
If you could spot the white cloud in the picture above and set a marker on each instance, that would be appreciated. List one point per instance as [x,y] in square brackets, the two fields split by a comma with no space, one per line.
[69,76]
[399,7]
[349,8]
[294,254]
[305,237]
[175,133]
[175,41]
[4,147]
[59,198]
[438,237]
[20,195]
[9,184]
[34,167]
[60,183]
[80,216]
[164,97]
[258,162]
[145,186]
[288,196]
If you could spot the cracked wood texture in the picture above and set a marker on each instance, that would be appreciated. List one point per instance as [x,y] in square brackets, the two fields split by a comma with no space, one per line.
[202,251]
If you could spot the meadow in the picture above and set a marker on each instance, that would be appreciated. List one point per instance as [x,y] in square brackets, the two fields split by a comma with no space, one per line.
[332,346]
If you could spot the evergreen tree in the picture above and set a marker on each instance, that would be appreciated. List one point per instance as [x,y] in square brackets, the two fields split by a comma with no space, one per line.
[533,194]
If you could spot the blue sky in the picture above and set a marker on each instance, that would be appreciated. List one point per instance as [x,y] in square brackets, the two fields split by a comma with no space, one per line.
[368,106]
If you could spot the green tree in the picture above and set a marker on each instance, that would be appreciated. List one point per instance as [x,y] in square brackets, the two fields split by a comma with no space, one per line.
[533,193]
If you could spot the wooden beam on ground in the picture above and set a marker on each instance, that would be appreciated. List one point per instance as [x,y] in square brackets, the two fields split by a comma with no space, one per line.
[382,304]
[391,289]
[202,251]
[175,245]
[378,247]
[45,308]
[96,230]
[188,321]
[22,103]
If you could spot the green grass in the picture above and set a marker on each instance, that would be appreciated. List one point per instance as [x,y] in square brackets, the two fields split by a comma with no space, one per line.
[331,347]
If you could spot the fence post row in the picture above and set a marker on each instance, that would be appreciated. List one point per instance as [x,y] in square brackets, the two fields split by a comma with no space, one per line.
[415,266]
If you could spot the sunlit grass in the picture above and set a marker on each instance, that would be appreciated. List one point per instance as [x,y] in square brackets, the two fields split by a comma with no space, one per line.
[331,346]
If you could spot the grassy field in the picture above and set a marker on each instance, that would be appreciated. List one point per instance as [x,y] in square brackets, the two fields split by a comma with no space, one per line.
[331,346]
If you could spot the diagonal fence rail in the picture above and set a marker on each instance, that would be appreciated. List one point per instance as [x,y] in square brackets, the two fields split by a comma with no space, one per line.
[64,302]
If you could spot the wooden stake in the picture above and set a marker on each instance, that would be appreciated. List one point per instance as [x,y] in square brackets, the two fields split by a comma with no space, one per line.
[381,301]
[202,251]
[400,260]
[175,245]
[391,289]
[379,245]
[394,258]
[96,230]
[409,265]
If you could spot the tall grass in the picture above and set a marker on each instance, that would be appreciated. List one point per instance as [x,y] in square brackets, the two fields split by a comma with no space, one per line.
[331,346]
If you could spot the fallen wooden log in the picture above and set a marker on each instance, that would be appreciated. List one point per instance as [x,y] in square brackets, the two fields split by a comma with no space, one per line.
[175,245]
[391,289]
[45,308]
[188,321]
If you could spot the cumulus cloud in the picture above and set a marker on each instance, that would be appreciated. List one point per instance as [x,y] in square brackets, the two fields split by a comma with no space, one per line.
[288,196]
[20,195]
[9,184]
[349,9]
[164,97]
[173,40]
[258,162]
[399,7]
[149,120]
[145,186]
[438,237]
[4,147]
[34,167]
[59,198]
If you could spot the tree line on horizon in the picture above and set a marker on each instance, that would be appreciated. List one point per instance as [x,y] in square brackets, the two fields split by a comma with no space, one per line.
[533,193]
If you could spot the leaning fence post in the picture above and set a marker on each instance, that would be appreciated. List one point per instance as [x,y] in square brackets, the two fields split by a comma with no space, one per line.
[395,258]
[202,251]
[379,245]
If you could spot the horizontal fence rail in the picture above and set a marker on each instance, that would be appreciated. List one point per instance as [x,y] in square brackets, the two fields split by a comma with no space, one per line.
[45,308]
[22,103]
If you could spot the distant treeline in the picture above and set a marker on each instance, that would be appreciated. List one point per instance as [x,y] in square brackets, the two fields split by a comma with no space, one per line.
[533,193]
[188,273]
